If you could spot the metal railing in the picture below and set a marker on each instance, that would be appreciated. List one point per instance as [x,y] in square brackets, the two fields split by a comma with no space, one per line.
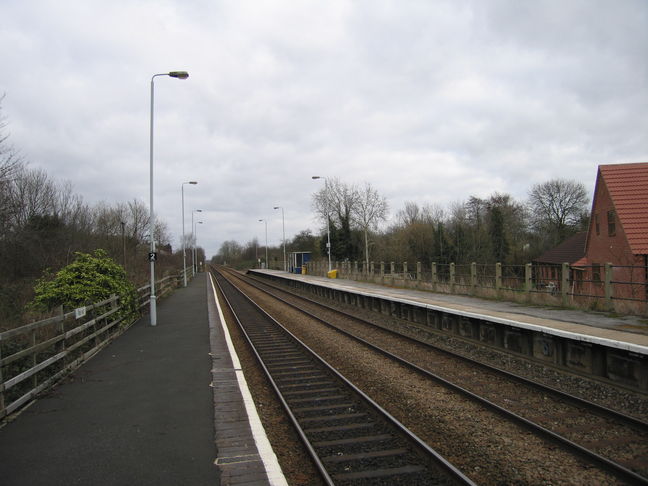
[35,356]
[623,289]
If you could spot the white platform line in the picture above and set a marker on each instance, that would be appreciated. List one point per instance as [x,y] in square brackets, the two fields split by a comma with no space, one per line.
[270,462]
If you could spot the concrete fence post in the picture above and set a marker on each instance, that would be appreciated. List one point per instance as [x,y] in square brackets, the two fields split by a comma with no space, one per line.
[608,287]
[452,278]
[473,277]
[418,271]
[371,269]
[434,276]
[382,273]
[498,276]
[564,284]
[392,267]
[527,279]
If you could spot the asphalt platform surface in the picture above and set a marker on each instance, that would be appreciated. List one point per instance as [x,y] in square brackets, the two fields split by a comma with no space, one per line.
[140,412]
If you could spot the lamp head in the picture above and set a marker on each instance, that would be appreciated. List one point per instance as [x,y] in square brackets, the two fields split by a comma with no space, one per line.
[179,74]
[316,177]
[193,182]
[277,207]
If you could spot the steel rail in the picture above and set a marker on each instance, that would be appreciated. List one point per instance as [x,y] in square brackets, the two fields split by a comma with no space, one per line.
[452,474]
[595,407]
[607,464]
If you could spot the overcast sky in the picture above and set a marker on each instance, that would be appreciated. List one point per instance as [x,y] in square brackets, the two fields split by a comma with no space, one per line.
[429,101]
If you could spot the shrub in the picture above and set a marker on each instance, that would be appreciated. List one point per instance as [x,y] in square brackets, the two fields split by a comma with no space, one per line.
[90,278]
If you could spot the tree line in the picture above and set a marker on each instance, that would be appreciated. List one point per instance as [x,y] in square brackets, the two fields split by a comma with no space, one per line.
[44,224]
[497,228]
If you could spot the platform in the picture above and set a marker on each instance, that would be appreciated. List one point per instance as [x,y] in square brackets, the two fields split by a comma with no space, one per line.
[592,343]
[163,405]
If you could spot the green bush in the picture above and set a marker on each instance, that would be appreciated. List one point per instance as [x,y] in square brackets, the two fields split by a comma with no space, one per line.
[89,279]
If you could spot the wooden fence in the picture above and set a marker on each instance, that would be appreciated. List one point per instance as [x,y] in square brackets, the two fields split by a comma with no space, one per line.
[35,356]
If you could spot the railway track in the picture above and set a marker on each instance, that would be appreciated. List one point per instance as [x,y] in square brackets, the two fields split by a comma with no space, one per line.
[351,439]
[615,442]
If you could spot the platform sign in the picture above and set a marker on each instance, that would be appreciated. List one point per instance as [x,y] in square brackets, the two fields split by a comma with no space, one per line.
[152,256]
[79,312]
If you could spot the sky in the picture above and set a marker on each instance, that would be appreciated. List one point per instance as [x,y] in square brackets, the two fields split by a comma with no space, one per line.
[429,101]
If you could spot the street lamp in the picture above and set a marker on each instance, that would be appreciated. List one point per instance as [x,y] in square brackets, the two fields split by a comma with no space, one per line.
[328,231]
[195,252]
[266,231]
[184,255]
[193,241]
[152,255]
[283,225]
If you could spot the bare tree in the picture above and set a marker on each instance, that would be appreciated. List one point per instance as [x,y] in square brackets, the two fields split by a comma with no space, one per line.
[370,209]
[33,193]
[335,201]
[410,214]
[138,219]
[557,205]
[10,161]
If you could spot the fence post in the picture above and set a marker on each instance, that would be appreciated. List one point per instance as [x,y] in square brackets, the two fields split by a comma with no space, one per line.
[382,273]
[34,361]
[392,265]
[61,330]
[452,278]
[608,287]
[2,397]
[404,269]
[527,279]
[434,276]
[473,277]
[564,283]
[418,271]
[498,276]
[371,269]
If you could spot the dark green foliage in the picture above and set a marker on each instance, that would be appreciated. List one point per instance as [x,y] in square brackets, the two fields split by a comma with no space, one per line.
[497,235]
[90,278]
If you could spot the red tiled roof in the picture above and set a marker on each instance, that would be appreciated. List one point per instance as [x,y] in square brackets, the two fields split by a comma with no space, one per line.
[628,188]
[569,251]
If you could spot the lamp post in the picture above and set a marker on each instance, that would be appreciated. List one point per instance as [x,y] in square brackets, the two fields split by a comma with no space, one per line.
[152,255]
[184,253]
[195,253]
[328,230]
[123,230]
[193,241]
[283,226]
[266,234]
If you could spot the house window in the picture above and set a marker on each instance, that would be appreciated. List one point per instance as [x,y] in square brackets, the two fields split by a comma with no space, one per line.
[597,224]
[596,272]
[611,223]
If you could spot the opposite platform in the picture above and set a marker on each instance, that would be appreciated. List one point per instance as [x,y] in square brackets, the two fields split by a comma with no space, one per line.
[587,325]
[595,345]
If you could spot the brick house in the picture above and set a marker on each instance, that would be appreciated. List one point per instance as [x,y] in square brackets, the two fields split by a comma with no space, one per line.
[618,232]
[548,266]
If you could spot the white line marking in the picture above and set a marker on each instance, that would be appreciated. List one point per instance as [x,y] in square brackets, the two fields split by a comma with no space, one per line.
[273,470]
